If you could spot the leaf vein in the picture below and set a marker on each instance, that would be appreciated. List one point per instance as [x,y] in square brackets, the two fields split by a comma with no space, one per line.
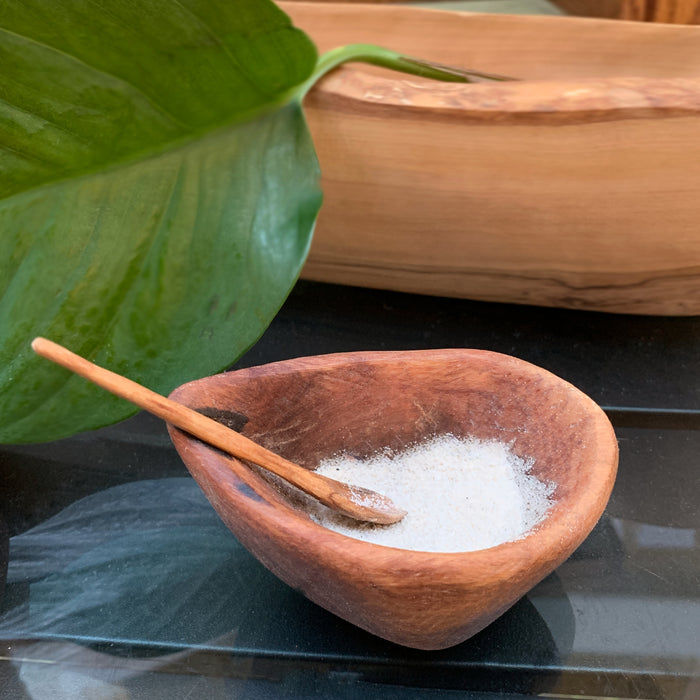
[51,122]
[26,156]
[155,236]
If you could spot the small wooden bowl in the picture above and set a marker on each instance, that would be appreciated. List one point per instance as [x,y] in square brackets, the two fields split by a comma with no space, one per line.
[311,408]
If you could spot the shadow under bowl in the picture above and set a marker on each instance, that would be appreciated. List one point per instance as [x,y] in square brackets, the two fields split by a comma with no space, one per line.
[310,408]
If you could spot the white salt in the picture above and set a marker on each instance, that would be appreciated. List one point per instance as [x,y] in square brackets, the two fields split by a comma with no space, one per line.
[461,495]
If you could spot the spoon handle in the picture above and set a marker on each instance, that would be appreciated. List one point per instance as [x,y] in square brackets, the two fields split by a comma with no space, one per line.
[354,501]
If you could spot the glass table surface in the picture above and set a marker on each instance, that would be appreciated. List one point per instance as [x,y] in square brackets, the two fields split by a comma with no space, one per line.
[119,580]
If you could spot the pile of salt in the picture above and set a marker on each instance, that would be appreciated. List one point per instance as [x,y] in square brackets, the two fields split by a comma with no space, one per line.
[461,495]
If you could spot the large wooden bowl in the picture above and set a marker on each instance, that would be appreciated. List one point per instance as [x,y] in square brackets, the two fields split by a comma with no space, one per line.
[311,408]
[574,187]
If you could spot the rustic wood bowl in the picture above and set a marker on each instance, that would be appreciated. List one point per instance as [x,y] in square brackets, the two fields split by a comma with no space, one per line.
[310,408]
[574,187]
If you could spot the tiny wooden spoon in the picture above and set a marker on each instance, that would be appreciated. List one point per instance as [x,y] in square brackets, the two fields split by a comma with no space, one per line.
[354,501]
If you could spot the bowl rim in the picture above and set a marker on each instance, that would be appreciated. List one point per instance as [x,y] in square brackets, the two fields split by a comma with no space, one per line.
[534,102]
[630,92]
[551,540]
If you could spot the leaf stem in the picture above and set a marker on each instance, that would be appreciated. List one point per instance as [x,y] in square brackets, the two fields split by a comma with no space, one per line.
[379,56]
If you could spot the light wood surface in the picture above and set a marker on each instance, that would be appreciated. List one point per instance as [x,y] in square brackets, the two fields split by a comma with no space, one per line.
[311,408]
[676,11]
[575,187]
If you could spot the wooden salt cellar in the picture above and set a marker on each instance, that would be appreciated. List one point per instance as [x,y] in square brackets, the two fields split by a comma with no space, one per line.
[310,408]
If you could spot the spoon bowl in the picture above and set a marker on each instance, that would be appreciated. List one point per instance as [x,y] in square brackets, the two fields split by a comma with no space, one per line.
[311,408]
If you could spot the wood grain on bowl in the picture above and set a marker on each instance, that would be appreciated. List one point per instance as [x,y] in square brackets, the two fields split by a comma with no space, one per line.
[574,186]
[311,408]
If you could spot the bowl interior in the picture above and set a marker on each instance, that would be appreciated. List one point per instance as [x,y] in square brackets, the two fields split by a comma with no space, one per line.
[359,403]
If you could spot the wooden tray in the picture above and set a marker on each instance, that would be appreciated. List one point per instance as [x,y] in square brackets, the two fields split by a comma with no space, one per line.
[577,186]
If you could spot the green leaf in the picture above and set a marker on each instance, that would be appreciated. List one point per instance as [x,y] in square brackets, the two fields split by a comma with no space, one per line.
[158,190]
